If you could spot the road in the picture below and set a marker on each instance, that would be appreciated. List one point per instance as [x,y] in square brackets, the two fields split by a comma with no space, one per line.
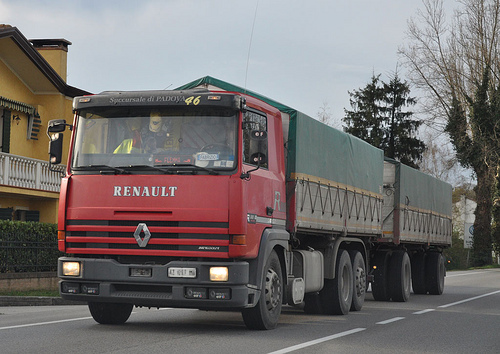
[465,319]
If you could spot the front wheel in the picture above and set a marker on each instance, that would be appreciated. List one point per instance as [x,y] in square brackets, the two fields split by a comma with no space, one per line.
[434,273]
[400,276]
[266,313]
[110,313]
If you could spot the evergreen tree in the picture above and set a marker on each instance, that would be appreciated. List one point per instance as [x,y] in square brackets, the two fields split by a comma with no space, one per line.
[378,117]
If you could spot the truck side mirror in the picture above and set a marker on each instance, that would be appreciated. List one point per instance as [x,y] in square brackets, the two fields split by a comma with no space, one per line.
[56,126]
[258,146]
[55,148]
[258,150]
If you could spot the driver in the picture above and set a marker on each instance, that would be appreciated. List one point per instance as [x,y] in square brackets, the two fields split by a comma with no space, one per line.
[154,137]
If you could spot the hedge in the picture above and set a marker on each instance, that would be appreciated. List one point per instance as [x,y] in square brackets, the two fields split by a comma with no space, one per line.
[28,247]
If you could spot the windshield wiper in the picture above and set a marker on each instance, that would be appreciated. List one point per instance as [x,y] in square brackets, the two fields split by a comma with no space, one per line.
[104,169]
[179,167]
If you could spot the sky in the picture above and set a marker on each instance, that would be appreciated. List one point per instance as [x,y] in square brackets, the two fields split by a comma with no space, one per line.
[306,54]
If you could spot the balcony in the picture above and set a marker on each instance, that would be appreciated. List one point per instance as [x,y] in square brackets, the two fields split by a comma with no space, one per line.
[19,171]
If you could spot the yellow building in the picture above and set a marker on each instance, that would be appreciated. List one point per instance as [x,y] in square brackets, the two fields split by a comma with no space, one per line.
[33,90]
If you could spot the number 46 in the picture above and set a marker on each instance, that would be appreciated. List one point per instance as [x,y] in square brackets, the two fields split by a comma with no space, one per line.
[194,100]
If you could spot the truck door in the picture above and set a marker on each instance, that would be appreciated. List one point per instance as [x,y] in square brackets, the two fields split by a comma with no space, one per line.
[265,185]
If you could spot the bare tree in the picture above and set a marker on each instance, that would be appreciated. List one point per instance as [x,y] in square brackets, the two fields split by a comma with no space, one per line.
[457,63]
[325,114]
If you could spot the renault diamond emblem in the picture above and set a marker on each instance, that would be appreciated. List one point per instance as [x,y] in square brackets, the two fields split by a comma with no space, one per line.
[142,227]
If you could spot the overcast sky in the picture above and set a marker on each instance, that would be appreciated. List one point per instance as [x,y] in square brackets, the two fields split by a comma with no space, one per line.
[303,53]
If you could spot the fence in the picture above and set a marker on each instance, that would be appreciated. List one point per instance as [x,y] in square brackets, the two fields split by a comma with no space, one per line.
[28,247]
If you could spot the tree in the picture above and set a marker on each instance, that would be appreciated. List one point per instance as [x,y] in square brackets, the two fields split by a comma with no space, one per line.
[458,65]
[377,117]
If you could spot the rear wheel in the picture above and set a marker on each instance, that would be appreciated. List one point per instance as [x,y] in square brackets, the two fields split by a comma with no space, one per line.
[380,288]
[265,314]
[359,280]
[110,313]
[418,273]
[399,276]
[336,295]
[434,273]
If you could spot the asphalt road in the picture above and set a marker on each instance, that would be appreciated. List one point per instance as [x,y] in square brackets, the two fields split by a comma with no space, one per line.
[465,319]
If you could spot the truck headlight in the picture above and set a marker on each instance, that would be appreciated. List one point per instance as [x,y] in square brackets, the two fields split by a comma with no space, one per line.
[71,269]
[219,274]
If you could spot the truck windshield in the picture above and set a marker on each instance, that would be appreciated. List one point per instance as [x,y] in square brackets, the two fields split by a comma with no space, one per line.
[128,139]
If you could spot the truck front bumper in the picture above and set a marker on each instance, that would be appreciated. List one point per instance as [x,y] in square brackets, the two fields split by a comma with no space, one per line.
[176,284]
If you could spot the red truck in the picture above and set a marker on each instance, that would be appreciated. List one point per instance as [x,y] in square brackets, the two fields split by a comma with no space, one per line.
[214,197]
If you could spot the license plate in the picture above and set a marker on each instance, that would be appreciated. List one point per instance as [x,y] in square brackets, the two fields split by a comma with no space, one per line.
[140,272]
[176,272]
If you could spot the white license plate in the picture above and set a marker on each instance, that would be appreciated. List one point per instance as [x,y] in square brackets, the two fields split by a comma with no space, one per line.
[175,272]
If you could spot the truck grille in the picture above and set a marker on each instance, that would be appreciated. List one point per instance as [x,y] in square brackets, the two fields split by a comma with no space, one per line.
[167,238]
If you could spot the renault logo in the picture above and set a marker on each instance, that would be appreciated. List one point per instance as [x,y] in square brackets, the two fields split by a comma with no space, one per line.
[142,227]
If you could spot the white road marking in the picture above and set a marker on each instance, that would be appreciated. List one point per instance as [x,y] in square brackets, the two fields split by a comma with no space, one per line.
[46,323]
[469,299]
[317,341]
[390,320]
[423,311]
[464,274]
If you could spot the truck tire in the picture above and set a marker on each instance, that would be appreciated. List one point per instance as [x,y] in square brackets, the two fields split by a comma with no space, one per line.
[399,276]
[266,313]
[359,280]
[110,313]
[380,288]
[418,273]
[434,273]
[336,295]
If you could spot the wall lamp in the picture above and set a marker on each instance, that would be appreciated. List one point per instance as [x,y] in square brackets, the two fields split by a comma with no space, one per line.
[16,118]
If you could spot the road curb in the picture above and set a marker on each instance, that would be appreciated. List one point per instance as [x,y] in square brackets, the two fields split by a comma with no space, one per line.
[35,301]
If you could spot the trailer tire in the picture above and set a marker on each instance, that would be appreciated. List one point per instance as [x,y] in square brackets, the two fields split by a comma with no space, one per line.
[336,295]
[434,273]
[380,288]
[359,280]
[400,276]
[110,313]
[418,273]
[266,313]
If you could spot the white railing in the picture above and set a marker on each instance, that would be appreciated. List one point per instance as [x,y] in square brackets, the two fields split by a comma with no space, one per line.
[19,171]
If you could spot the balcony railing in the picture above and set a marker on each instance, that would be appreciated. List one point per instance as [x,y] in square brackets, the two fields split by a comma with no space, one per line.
[19,171]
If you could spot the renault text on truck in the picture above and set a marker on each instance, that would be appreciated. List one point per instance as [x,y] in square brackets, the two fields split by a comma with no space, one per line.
[215,197]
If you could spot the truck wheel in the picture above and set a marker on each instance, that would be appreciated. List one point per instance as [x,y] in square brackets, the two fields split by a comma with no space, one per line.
[434,273]
[266,313]
[418,273]
[380,288]
[109,313]
[359,280]
[400,276]
[336,295]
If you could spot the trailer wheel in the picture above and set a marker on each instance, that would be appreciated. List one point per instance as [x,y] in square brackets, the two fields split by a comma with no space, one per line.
[110,313]
[336,295]
[418,273]
[434,273]
[359,280]
[400,276]
[380,288]
[265,314]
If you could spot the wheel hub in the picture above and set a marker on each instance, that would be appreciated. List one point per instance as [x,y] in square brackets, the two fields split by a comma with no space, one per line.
[273,290]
